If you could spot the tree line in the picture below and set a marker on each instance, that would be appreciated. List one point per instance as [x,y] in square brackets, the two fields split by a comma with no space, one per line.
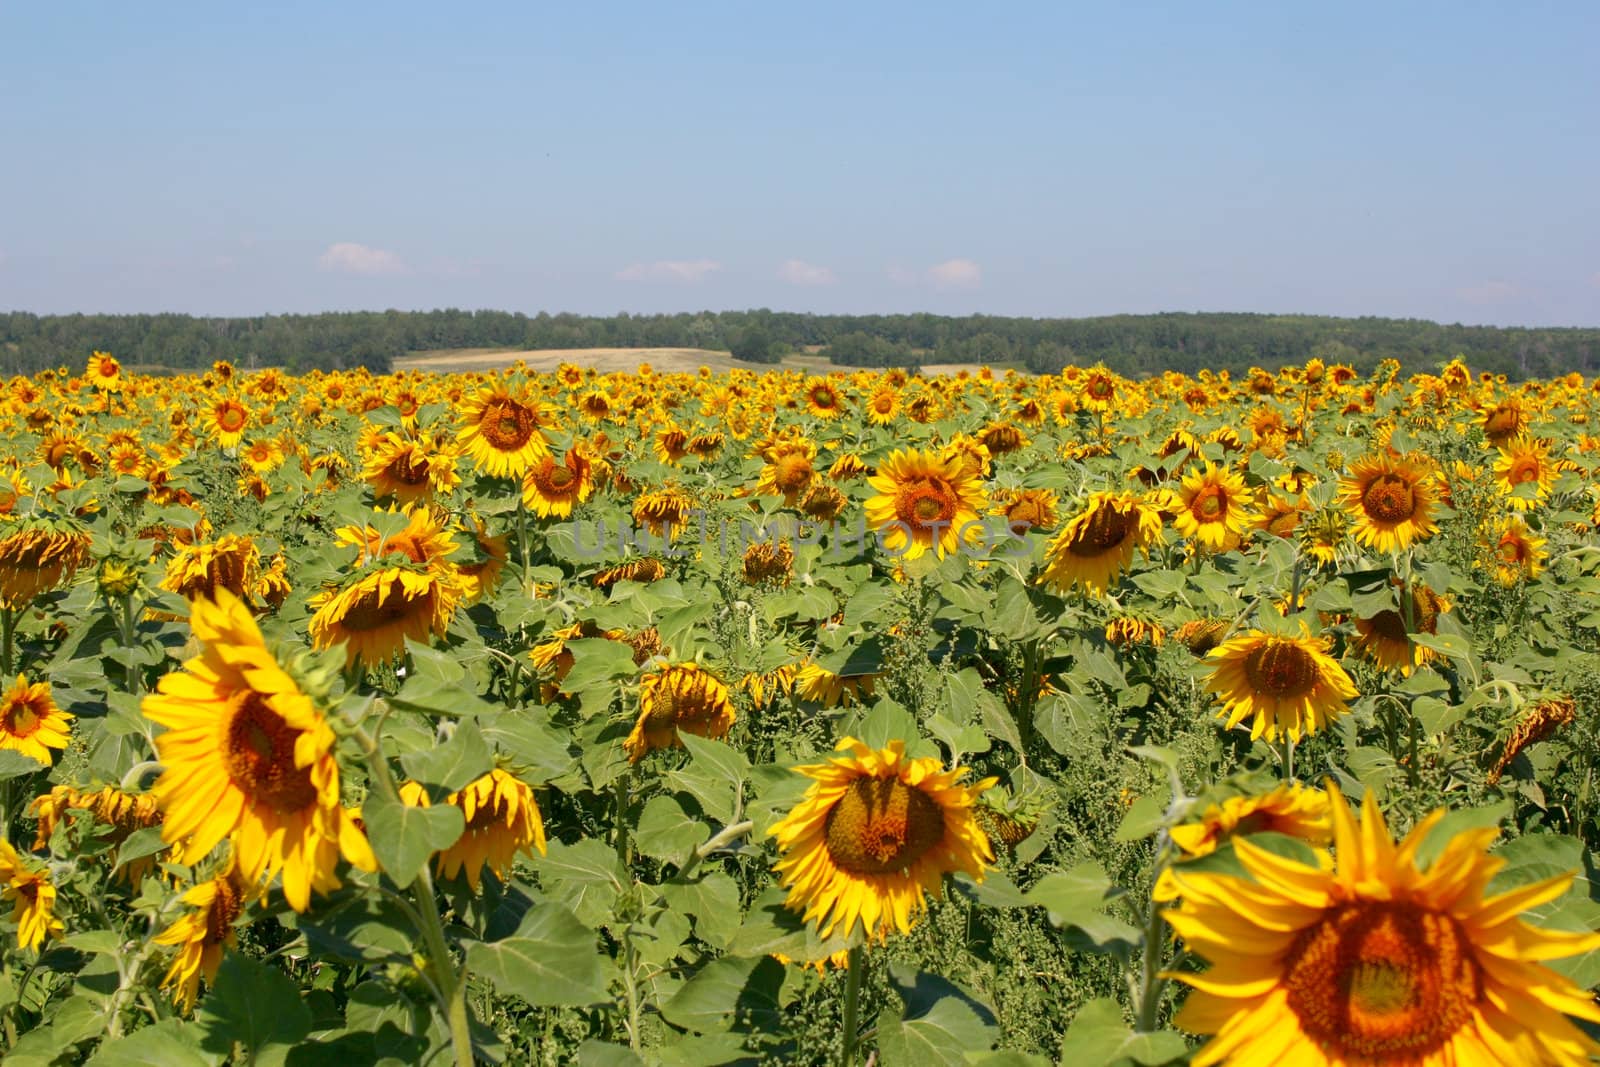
[1133,345]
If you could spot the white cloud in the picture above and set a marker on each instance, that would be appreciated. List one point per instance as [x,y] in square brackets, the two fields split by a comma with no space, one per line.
[799,272]
[1490,292]
[955,274]
[686,271]
[349,258]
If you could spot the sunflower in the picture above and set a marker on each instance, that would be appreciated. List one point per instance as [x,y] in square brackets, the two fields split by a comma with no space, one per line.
[502,819]
[30,722]
[665,512]
[1383,638]
[816,685]
[1215,508]
[481,573]
[924,501]
[790,470]
[1324,533]
[37,554]
[875,832]
[883,406]
[1287,683]
[382,607]
[1505,421]
[227,420]
[1296,810]
[1538,723]
[765,686]
[233,562]
[122,812]
[551,489]
[1525,462]
[823,400]
[768,561]
[1200,636]
[646,569]
[410,472]
[248,756]
[683,697]
[104,372]
[503,434]
[1098,392]
[32,897]
[1518,555]
[1391,501]
[1097,544]
[202,934]
[1029,509]
[824,503]
[1378,961]
[1280,515]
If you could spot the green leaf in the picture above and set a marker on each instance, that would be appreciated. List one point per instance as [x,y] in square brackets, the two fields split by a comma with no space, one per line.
[253,1004]
[597,663]
[727,992]
[1144,816]
[964,694]
[363,927]
[13,764]
[169,1043]
[1098,1038]
[139,844]
[666,831]
[538,752]
[586,877]
[712,902]
[551,961]
[943,1033]
[715,775]
[453,765]
[1077,898]
[403,837]
[595,1053]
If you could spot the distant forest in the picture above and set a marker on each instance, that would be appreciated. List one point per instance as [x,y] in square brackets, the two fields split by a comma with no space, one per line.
[1133,345]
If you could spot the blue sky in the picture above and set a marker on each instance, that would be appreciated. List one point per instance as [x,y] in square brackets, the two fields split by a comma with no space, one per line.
[1430,160]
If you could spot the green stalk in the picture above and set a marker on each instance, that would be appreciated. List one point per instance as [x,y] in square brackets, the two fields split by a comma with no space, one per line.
[850,1038]
[125,624]
[8,631]
[522,544]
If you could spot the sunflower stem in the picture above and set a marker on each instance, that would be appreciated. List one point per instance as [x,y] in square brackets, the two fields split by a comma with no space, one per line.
[522,544]
[8,631]
[1286,758]
[125,624]
[1151,984]
[849,1039]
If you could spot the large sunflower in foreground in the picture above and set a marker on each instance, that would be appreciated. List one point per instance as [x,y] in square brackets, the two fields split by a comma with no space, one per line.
[1288,684]
[1097,544]
[1215,508]
[247,756]
[682,698]
[1378,962]
[502,819]
[503,434]
[1391,501]
[924,502]
[875,832]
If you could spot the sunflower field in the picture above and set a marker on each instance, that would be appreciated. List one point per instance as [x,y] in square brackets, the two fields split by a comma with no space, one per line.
[836,718]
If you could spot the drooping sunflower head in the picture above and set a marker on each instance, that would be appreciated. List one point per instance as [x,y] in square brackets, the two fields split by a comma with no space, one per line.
[1030,509]
[1287,684]
[232,562]
[1098,543]
[681,698]
[382,606]
[664,512]
[502,819]
[1378,961]
[1383,638]
[503,433]
[1390,500]
[768,562]
[202,933]
[1505,420]
[875,833]
[790,470]
[38,553]
[924,502]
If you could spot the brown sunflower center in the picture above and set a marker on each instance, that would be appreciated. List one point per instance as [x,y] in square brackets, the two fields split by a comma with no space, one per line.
[409,468]
[1512,549]
[883,404]
[1524,470]
[225,908]
[1210,504]
[21,718]
[1100,388]
[1381,980]
[506,424]
[1024,512]
[1281,669]
[823,397]
[924,504]
[1389,498]
[231,418]
[560,478]
[793,473]
[1107,528]
[882,825]
[372,613]
[1389,626]
[260,756]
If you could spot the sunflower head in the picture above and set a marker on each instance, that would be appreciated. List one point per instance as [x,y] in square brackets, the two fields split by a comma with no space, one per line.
[1098,543]
[925,501]
[1390,500]
[680,698]
[1287,684]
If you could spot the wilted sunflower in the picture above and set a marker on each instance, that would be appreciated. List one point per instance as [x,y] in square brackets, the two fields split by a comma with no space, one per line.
[646,569]
[1287,684]
[1391,501]
[551,489]
[1378,961]
[1098,543]
[1383,638]
[232,562]
[502,819]
[202,933]
[227,421]
[875,832]
[1215,508]
[32,897]
[924,501]
[768,561]
[30,722]
[1525,462]
[503,434]
[665,512]
[248,756]
[37,554]
[681,698]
